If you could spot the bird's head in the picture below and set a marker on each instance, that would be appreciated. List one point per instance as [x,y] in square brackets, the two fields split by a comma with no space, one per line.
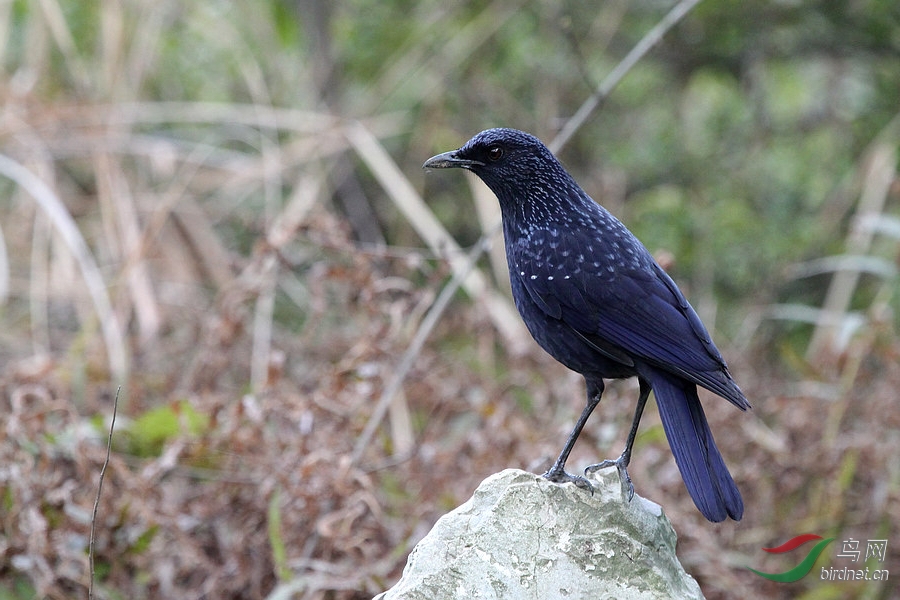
[502,158]
[531,185]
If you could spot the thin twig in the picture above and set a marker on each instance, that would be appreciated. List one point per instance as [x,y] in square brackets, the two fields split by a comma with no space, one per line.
[612,80]
[405,197]
[415,346]
[112,426]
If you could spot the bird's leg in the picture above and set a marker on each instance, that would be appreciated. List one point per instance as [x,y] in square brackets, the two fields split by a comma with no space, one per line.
[557,473]
[621,463]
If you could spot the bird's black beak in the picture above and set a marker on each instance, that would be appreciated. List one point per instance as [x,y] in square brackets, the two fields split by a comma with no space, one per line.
[449,160]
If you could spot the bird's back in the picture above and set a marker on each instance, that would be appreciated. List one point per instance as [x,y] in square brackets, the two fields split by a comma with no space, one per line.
[595,299]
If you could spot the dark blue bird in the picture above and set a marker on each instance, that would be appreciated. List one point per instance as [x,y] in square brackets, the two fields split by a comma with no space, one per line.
[595,299]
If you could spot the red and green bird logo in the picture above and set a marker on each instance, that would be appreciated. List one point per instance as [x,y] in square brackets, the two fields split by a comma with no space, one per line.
[805,565]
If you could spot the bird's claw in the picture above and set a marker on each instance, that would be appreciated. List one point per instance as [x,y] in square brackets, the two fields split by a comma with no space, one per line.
[621,464]
[561,476]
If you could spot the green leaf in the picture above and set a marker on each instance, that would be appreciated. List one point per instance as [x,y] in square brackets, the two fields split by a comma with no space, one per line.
[149,432]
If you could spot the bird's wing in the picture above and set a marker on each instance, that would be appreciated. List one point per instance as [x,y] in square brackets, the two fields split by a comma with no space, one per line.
[623,306]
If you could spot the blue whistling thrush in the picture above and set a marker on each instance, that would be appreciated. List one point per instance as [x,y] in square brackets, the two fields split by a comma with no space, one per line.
[595,299]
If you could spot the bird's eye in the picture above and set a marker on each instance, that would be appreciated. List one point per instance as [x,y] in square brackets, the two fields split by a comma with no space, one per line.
[495,153]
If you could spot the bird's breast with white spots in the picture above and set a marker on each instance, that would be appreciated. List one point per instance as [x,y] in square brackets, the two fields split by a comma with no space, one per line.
[562,254]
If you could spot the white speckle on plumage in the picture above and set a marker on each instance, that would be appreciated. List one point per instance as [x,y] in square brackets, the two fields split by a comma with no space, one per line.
[534,277]
[549,277]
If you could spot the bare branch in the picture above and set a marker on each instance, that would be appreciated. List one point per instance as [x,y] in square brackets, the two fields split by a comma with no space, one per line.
[612,80]
[415,346]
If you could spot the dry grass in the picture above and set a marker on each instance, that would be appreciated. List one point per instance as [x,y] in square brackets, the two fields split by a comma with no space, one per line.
[196,520]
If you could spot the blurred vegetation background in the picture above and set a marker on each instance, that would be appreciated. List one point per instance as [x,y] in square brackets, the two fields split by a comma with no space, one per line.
[220,207]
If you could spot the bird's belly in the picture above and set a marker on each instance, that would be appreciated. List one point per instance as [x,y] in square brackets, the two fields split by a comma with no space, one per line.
[562,343]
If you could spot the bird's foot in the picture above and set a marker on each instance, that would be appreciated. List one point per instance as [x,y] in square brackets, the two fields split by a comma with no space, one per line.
[559,475]
[621,464]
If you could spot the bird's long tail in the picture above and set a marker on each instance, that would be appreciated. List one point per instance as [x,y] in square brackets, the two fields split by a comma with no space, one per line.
[704,472]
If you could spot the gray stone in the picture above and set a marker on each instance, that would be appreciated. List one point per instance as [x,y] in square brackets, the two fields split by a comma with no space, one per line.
[521,536]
